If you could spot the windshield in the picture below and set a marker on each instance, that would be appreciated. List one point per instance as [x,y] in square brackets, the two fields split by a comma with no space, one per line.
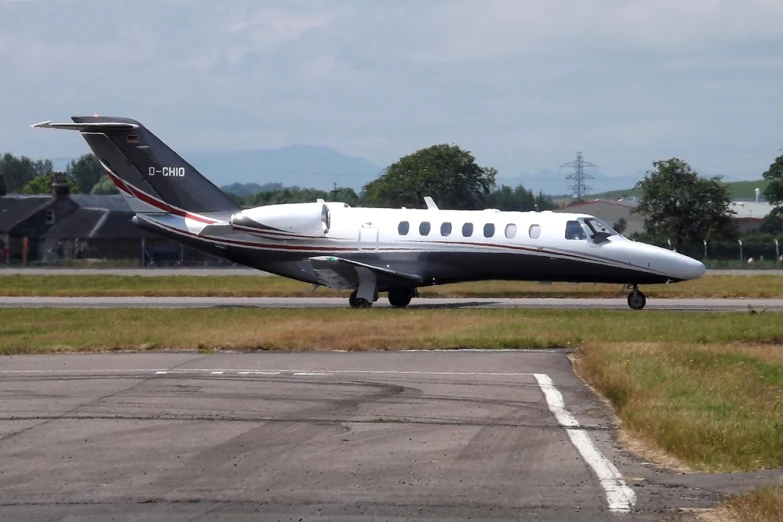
[599,225]
[600,231]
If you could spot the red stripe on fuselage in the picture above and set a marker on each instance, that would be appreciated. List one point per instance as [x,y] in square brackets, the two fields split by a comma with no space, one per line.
[150,200]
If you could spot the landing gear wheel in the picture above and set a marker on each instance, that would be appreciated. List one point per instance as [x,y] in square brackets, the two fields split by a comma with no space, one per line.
[358,302]
[636,299]
[400,299]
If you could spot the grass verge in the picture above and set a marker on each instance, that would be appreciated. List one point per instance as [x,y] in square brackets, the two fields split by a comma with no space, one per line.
[762,286]
[715,407]
[760,505]
[26,330]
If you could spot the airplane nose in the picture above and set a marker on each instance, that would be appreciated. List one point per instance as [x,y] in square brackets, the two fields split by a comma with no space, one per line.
[688,268]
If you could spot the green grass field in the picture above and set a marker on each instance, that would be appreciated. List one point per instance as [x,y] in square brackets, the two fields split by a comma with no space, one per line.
[26,330]
[739,190]
[761,286]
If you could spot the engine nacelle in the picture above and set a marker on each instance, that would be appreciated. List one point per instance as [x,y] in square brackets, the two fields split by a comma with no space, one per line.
[304,219]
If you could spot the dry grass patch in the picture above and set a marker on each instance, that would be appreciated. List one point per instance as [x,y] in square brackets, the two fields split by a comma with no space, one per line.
[760,505]
[763,286]
[716,408]
[29,330]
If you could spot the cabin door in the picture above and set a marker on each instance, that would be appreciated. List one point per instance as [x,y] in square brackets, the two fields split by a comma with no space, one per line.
[368,237]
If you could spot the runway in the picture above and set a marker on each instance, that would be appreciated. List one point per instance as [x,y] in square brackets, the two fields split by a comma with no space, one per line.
[241,271]
[725,305]
[511,435]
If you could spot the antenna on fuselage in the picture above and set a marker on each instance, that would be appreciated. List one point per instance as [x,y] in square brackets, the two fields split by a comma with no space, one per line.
[430,203]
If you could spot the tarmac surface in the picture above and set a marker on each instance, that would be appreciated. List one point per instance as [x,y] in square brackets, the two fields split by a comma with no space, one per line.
[725,305]
[507,435]
[190,271]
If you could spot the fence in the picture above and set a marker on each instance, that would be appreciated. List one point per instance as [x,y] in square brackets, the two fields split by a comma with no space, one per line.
[143,252]
[756,252]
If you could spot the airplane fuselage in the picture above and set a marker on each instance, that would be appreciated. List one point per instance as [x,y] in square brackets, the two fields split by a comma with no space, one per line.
[448,246]
[369,250]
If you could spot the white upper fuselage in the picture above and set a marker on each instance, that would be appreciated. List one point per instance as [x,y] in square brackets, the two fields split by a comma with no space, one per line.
[382,230]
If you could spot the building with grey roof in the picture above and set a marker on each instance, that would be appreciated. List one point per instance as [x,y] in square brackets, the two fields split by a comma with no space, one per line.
[43,229]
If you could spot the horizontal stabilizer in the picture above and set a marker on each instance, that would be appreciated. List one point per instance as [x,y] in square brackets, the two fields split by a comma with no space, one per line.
[86,127]
[340,274]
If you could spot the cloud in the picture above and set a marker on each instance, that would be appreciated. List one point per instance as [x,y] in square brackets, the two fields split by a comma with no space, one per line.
[523,84]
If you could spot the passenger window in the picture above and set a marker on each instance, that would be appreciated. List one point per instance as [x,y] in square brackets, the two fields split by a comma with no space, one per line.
[534,231]
[489,230]
[467,229]
[574,230]
[445,229]
[403,228]
[424,228]
[511,230]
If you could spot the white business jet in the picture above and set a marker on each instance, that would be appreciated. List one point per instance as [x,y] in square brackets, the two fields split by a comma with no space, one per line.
[368,250]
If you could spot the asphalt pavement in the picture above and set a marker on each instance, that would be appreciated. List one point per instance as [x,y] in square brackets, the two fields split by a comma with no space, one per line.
[234,271]
[725,305]
[507,435]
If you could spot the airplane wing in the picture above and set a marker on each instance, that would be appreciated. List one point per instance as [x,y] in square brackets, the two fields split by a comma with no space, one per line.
[341,274]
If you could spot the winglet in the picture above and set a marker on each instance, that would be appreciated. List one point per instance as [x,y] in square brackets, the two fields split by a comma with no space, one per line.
[430,203]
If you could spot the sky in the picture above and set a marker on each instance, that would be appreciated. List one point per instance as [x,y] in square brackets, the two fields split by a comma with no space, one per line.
[521,84]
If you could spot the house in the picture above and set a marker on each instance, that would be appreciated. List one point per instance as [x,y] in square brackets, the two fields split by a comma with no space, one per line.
[36,229]
[750,214]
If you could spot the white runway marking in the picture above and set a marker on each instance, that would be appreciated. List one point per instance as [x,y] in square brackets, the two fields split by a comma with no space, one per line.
[620,497]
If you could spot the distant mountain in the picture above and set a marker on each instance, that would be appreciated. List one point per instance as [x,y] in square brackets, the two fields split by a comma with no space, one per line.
[307,166]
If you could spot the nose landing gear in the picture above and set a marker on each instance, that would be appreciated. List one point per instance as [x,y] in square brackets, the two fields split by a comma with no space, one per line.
[636,299]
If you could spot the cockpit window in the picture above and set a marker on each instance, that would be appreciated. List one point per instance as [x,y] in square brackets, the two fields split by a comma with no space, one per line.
[599,225]
[600,231]
[574,230]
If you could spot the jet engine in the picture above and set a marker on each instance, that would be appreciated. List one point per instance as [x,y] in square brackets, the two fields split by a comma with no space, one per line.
[304,219]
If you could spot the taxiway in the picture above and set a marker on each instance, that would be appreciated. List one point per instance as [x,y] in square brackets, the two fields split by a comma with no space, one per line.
[508,435]
[725,305]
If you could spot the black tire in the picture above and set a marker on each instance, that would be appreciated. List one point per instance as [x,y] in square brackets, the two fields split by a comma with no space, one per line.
[358,302]
[400,299]
[636,300]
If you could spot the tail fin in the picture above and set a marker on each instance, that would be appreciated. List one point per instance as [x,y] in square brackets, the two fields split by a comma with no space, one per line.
[144,167]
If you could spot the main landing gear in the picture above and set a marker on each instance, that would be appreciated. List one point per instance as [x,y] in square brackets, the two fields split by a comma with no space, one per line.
[397,298]
[401,298]
[360,302]
[636,299]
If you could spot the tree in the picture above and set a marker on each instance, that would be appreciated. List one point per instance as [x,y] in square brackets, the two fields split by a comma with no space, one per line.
[21,171]
[518,199]
[620,226]
[42,184]
[447,173]
[85,172]
[774,191]
[772,222]
[104,186]
[679,205]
